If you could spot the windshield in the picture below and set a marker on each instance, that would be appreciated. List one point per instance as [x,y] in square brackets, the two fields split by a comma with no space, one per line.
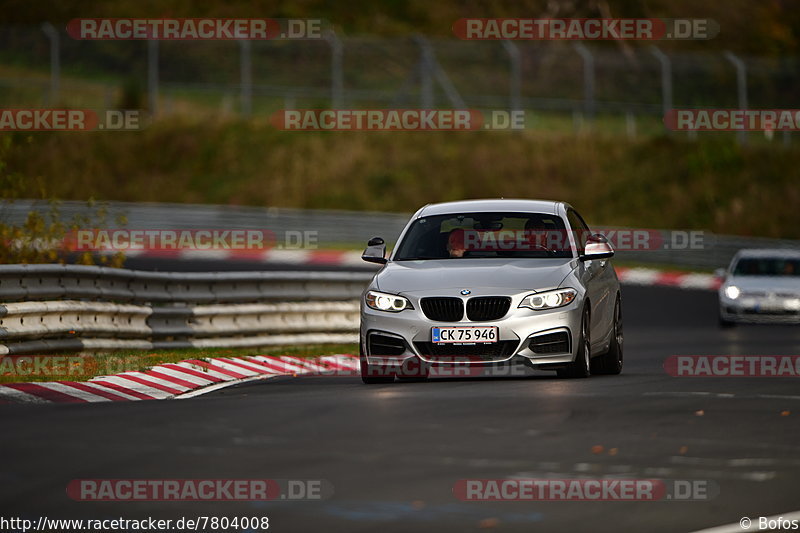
[485,235]
[767,266]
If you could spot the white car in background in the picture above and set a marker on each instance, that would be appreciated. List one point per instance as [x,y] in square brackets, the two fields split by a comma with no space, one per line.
[761,286]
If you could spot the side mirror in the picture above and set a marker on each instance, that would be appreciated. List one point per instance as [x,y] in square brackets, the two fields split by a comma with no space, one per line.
[720,273]
[597,247]
[375,252]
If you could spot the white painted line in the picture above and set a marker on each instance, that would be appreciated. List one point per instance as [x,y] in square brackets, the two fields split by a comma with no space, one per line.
[689,394]
[727,395]
[217,386]
[743,462]
[777,397]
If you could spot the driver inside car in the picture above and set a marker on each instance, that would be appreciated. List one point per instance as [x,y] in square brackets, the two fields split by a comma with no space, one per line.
[455,243]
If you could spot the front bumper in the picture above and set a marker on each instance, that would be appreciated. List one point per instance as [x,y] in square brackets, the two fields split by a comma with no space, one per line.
[535,338]
[759,310]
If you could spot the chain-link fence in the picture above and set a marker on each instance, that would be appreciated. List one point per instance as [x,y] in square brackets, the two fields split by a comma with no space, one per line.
[632,82]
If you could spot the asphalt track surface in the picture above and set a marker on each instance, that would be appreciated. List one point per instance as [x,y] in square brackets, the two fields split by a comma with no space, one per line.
[394,452]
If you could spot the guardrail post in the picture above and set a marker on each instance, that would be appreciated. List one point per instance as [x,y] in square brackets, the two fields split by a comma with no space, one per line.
[741,88]
[55,61]
[246,77]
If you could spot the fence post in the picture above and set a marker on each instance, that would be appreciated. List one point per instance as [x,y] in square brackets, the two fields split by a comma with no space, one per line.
[588,80]
[666,78]
[425,74]
[337,76]
[741,88]
[152,75]
[630,124]
[516,75]
[55,60]
[431,68]
[246,65]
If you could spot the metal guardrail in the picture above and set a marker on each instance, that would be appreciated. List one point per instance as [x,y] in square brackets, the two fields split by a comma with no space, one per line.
[96,308]
[333,227]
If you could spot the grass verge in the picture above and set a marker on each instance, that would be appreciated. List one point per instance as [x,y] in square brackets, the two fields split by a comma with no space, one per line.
[664,181]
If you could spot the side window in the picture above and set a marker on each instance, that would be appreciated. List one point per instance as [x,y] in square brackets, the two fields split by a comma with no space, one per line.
[579,229]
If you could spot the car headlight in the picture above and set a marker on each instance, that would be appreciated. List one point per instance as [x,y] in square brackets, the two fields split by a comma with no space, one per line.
[549,299]
[380,301]
[732,292]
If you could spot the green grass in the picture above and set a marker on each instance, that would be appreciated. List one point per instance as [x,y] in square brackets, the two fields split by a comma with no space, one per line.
[76,367]
[665,181]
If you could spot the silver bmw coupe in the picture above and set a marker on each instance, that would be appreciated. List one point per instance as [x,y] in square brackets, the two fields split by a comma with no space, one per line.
[492,284]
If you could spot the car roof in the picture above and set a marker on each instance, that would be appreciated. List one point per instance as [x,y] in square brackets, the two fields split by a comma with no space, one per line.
[490,205]
[769,252]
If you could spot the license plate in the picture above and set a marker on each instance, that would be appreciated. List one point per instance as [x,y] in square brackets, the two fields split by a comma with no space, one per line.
[464,335]
[768,307]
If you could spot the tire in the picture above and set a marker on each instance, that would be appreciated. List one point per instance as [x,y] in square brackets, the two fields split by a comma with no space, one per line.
[580,367]
[611,362]
[725,324]
[371,374]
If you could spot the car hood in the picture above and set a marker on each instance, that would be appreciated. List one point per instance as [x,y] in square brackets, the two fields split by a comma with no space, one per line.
[765,283]
[473,274]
